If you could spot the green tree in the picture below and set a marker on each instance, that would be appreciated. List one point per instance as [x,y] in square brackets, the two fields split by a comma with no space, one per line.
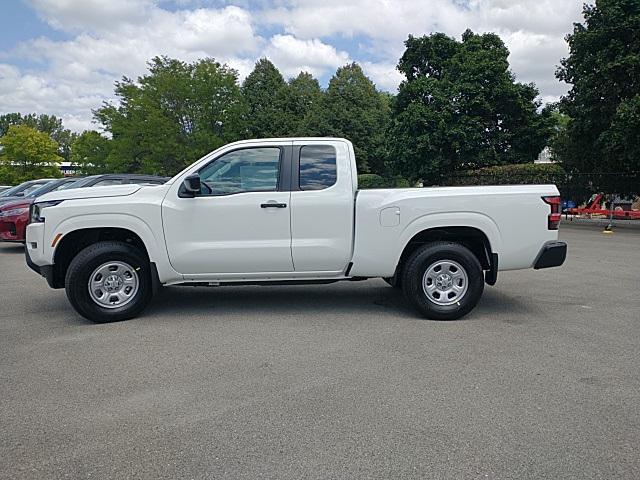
[49,124]
[460,108]
[603,105]
[172,116]
[352,108]
[28,154]
[302,96]
[264,91]
[90,152]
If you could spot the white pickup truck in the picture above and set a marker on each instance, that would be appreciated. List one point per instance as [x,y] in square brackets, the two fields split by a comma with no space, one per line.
[282,211]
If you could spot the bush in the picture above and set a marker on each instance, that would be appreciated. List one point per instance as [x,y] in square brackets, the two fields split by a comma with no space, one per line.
[522,173]
[372,180]
[401,182]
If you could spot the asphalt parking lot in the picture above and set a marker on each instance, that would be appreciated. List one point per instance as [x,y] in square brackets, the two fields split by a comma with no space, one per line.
[542,380]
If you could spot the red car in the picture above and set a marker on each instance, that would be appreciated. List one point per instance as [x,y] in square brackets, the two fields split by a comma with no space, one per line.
[14,217]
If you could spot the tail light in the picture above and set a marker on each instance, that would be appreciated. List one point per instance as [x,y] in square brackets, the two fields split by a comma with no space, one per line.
[553,220]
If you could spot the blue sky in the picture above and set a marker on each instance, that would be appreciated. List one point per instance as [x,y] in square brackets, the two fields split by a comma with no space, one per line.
[63,56]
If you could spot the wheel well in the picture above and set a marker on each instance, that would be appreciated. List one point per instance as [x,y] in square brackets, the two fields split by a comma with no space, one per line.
[472,238]
[72,243]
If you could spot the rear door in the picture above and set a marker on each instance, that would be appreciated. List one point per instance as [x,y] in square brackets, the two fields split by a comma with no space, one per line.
[322,206]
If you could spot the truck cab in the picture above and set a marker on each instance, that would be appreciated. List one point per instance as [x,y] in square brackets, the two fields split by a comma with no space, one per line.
[278,209]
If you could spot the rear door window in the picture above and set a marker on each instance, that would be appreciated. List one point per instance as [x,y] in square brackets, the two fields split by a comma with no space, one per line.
[318,169]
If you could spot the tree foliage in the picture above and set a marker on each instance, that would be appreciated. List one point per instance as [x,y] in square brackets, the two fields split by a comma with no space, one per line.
[461,108]
[352,108]
[603,105]
[49,124]
[302,100]
[173,115]
[27,154]
[264,92]
[90,153]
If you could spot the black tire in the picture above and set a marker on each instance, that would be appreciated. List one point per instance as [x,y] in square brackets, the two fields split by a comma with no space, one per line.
[418,264]
[84,264]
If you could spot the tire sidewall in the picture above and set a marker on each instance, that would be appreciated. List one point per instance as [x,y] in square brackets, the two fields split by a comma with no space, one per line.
[422,260]
[83,266]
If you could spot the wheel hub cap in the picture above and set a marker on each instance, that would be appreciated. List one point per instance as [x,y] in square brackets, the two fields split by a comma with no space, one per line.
[113,284]
[445,282]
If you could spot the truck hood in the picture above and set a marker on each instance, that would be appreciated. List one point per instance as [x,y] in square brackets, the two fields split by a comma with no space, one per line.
[90,192]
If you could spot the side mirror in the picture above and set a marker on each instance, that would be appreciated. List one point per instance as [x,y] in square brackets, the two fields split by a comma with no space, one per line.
[192,184]
[20,194]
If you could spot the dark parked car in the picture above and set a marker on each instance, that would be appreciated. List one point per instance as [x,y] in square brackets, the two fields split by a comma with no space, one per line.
[14,216]
[19,191]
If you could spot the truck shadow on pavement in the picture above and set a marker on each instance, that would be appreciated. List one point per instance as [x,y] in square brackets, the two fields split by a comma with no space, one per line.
[11,248]
[372,298]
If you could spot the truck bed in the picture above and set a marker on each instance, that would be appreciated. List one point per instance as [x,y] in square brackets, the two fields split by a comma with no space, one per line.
[513,218]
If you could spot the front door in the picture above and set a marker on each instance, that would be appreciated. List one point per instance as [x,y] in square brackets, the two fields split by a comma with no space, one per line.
[239,223]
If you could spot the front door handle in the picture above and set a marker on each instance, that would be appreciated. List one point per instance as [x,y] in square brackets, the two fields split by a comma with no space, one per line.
[273,205]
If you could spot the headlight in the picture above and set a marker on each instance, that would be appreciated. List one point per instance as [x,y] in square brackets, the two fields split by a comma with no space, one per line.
[14,211]
[35,213]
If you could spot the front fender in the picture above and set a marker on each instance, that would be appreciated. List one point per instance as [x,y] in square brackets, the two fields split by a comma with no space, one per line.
[153,239]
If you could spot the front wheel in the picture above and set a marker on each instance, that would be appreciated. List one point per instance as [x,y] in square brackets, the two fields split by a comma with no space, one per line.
[109,281]
[443,280]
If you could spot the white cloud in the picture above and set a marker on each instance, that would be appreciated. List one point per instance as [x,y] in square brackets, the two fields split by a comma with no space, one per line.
[378,19]
[111,38]
[532,29]
[90,14]
[36,93]
[187,35]
[292,55]
[384,75]
[79,74]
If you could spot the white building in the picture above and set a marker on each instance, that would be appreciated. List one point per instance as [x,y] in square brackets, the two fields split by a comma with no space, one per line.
[545,156]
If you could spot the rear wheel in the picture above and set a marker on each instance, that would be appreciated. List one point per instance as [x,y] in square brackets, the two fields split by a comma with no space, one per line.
[443,280]
[109,281]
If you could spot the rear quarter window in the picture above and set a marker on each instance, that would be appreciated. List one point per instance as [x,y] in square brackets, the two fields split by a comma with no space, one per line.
[318,168]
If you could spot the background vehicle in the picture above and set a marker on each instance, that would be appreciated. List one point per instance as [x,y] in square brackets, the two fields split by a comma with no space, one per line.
[287,210]
[14,216]
[19,191]
[109,179]
[4,187]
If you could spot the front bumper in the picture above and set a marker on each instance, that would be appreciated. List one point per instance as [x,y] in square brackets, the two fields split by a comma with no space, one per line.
[552,254]
[12,228]
[45,270]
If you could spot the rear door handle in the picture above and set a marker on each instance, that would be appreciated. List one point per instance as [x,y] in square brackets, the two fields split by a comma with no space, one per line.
[273,205]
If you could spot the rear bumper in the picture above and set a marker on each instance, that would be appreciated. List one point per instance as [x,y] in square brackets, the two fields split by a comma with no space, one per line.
[552,254]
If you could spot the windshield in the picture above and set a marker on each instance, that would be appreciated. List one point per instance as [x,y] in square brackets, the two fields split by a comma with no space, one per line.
[31,188]
[13,190]
[50,187]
